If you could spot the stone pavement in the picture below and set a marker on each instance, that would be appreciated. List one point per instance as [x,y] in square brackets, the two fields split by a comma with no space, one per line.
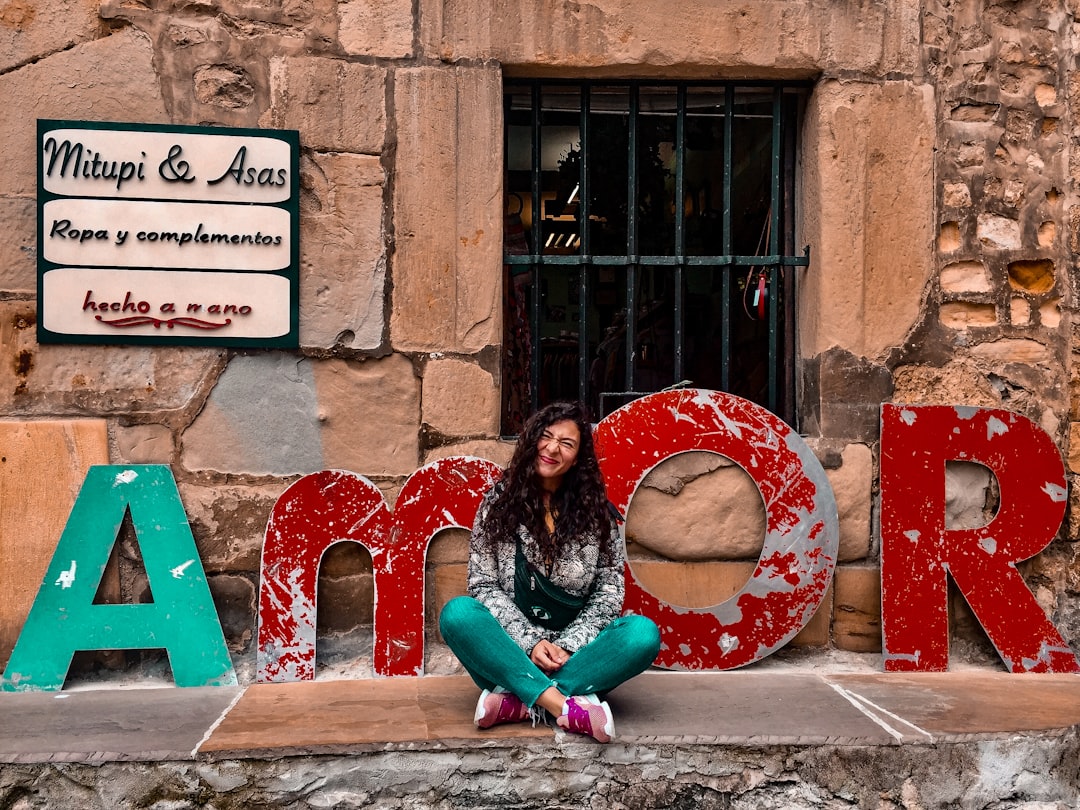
[876,713]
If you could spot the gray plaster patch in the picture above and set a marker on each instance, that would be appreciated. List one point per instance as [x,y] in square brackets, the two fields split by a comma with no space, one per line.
[261,418]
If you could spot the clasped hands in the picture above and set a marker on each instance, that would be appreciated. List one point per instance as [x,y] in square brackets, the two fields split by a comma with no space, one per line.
[548,656]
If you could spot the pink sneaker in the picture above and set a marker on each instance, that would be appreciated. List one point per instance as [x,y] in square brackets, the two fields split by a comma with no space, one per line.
[498,707]
[586,714]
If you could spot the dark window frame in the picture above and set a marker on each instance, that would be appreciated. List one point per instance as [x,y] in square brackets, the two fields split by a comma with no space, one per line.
[769,265]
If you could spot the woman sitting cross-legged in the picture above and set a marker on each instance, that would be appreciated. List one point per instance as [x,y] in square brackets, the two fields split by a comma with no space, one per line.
[541,625]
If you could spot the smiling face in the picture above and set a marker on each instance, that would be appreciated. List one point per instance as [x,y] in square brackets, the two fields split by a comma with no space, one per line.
[557,451]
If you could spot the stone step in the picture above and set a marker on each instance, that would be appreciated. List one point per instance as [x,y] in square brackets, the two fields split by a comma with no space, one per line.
[715,708]
[720,739]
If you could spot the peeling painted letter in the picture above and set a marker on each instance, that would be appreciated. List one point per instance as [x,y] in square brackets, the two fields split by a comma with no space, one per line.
[982,561]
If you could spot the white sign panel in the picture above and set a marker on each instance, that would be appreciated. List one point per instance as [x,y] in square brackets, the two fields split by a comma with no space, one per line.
[218,167]
[138,233]
[118,300]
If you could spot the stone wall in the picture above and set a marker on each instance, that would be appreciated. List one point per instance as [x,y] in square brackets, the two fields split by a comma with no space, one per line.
[937,193]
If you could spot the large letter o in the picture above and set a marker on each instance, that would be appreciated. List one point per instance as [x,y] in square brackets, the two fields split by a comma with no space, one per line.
[801,531]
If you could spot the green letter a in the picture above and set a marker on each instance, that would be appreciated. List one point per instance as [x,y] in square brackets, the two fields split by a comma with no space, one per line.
[181,619]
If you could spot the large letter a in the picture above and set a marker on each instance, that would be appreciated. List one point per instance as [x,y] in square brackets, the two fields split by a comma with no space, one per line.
[64,618]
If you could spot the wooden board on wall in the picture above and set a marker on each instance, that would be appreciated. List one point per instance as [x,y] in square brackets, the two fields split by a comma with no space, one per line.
[42,467]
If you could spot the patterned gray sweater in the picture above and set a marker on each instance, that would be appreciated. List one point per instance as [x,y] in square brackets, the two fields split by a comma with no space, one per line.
[589,565]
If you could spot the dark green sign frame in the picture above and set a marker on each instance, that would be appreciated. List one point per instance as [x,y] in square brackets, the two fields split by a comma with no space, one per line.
[110,173]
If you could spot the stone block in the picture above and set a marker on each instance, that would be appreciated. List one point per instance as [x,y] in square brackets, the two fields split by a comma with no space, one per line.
[274,414]
[1015,350]
[816,631]
[1047,234]
[494,450]
[965,277]
[42,467]
[1074,447]
[226,86]
[345,559]
[65,379]
[18,243]
[110,79]
[1049,314]
[698,506]
[345,603]
[958,382]
[31,30]
[447,209]
[1072,516]
[968,498]
[796,38]
[852,484]
[949,238]
[963,315]
[692,584]
[314,17]
[215,66]
[337,106]
[229,523]
[449,546]
[956,195]
[868,152]
[261,417]
[856,612]
[144,444]
[369,414]
[376,27]
[842,396]
[998,233]
[447,582]
[235,599]
[342,252]
[460,398]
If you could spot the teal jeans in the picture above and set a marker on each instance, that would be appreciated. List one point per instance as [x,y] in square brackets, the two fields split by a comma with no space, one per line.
[626,647]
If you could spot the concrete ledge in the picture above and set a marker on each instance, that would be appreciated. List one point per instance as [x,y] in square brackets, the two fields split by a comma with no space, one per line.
[743,708]
[109,725]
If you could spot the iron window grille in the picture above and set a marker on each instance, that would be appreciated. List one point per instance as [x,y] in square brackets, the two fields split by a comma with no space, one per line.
[649,241]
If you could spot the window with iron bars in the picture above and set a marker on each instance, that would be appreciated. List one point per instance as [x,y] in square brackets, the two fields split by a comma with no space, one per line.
[649,242]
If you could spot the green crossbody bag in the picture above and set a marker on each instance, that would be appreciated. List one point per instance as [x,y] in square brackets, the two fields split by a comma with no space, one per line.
[541,600]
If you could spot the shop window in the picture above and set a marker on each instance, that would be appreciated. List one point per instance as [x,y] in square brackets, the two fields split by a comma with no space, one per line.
[649,242]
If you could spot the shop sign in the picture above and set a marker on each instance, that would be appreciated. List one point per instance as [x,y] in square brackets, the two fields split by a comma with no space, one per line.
[788,584]
[155,234]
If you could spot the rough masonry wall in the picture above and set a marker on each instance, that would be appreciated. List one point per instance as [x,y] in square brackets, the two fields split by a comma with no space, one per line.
[936,192]
[1004,298]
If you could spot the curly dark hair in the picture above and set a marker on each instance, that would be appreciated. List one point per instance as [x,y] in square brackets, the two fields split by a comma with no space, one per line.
[580,504]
